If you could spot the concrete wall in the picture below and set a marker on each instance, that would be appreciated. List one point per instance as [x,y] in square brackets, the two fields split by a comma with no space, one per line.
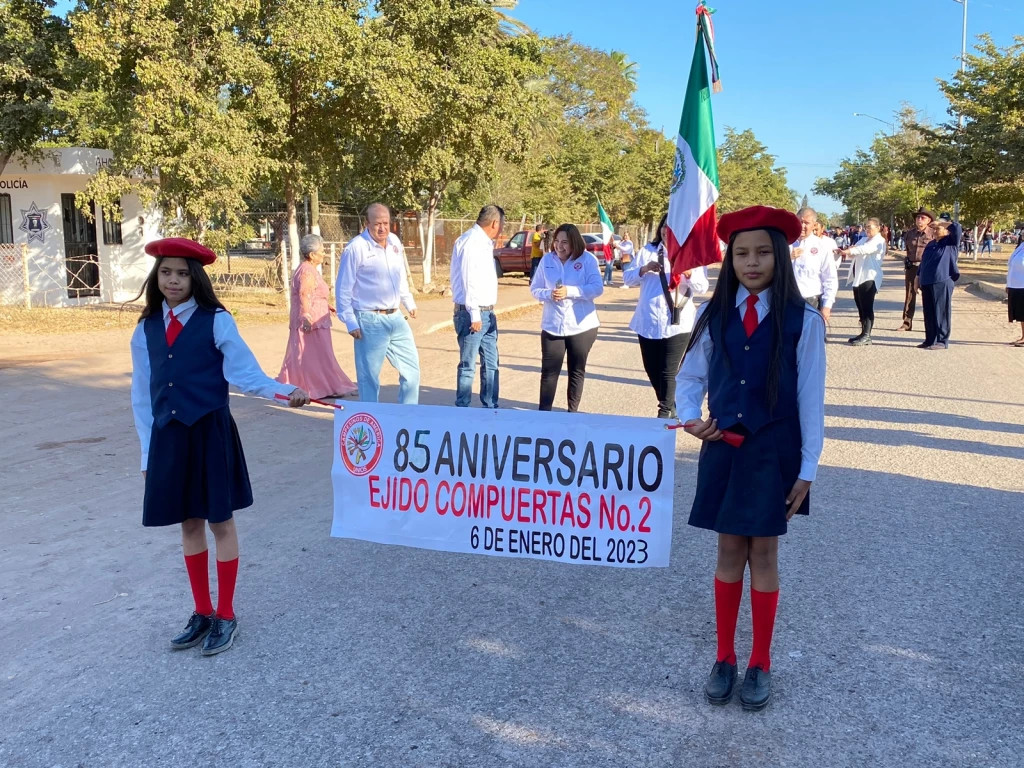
[122,268]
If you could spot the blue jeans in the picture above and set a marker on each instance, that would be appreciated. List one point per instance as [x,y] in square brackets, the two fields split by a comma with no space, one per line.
[390,337]
[609,270]
[483,344]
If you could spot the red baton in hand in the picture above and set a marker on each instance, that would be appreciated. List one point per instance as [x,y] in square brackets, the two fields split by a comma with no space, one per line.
[732,438]
[313,400]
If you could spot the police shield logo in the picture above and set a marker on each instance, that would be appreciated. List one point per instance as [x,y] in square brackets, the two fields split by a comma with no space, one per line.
[34,224]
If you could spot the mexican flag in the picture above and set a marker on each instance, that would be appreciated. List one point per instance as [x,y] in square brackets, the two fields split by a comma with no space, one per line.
[607,230]
[692,240]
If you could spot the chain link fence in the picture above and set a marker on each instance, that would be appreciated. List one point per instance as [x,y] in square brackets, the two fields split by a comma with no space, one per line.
[14,275]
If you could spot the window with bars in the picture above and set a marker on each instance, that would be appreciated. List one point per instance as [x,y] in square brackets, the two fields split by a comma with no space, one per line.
[6,221]
[111,228]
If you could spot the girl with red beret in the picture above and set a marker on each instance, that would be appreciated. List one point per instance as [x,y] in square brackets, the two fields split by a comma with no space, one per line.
[758,352]
[186,349]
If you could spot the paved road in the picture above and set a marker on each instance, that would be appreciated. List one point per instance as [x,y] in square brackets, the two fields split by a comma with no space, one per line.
[898,640]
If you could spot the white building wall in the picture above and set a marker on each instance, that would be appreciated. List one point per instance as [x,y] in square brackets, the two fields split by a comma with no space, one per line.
[122,268]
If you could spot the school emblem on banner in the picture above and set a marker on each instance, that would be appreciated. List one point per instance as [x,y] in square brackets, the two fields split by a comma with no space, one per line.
[362,443]
[34,224]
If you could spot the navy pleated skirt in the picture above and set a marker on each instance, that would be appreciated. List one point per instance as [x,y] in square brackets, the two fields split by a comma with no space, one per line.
[742,491]
[196,471]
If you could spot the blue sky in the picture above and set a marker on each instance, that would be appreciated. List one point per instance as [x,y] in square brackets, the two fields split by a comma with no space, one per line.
[794,72]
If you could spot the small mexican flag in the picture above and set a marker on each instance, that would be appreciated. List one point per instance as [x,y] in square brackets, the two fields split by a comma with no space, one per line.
[692,238]
[607,232]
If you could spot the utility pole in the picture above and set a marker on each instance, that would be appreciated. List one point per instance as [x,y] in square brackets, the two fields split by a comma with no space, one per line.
[960,117]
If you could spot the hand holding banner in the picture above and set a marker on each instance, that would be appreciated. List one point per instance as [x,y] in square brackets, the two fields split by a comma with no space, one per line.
[573,488]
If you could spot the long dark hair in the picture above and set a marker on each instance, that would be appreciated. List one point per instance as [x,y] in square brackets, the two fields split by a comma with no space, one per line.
[785,292]
[656,240]
[202,289]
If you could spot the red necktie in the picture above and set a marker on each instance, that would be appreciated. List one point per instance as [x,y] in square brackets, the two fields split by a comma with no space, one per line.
[750,320]
[174,328]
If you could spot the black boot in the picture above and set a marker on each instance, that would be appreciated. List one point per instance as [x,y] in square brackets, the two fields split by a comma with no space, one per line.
[865,336]
[859,336]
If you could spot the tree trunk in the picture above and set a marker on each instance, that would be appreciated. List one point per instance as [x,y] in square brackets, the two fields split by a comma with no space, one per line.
[293,225]
[5,158]
[428,251]
[314,210]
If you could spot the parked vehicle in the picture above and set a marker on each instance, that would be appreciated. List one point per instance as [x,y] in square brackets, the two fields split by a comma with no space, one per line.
[514,256]
[595,244]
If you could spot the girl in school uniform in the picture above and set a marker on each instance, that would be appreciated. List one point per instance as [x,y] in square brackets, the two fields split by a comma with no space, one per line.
[185,351]
[758,351]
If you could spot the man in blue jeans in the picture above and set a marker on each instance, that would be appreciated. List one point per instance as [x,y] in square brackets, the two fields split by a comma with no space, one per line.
[474,293]
[371,289]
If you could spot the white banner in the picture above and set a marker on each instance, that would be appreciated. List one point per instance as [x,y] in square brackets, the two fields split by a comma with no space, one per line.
[576,488]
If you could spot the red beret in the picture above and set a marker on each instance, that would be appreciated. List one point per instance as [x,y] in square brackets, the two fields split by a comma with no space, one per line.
[181,248]
[760,217]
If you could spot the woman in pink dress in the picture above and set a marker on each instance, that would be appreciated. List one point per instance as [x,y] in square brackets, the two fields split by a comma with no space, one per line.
[310,355]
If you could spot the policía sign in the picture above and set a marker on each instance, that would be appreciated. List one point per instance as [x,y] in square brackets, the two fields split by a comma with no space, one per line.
[574,488]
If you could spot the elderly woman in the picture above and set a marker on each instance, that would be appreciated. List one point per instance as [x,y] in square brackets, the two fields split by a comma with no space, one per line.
[310,355]
[866,276]
[567,282]
[935,280]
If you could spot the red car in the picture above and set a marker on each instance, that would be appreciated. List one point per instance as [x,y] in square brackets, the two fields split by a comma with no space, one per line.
[514,256]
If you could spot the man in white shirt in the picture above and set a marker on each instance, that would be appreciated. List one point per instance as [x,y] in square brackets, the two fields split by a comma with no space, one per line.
[372,287]
[474,293]
[815,268]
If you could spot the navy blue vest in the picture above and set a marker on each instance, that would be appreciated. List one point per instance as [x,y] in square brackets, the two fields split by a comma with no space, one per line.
[738,375]
[187,380]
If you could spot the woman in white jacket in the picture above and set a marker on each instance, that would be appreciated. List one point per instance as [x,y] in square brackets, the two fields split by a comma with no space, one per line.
[662,342]
[866,277]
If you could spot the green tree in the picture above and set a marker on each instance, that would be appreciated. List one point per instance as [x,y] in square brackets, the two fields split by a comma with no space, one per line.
[463,101]
[748,175]
[34,50]
[162,81]
[981,164]
[877,181]
[627,68]
[311,62]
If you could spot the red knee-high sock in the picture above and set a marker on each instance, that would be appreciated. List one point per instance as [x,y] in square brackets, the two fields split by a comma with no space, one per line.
[727,610]
[762,610]
[227,572]
[198,567]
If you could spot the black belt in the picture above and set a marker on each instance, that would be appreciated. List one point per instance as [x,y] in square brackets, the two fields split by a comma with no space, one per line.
[464,308]
[381,311]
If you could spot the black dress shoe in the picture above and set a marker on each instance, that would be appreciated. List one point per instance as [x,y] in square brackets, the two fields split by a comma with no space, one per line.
[221,636]
[721,682]
[192,635]
[924,345]
[756,691]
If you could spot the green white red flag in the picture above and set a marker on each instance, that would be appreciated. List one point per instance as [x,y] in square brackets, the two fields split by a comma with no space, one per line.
[607,232]
[692,239]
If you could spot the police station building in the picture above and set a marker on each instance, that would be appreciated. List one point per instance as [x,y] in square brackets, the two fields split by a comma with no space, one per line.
[62,257]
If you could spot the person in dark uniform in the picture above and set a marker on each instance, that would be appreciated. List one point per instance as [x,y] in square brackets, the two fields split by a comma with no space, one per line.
[915,238]
[935,280]
[185,350]
[758,351]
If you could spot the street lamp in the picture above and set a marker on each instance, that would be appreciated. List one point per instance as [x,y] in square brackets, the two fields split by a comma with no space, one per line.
[960,117]
[892,126]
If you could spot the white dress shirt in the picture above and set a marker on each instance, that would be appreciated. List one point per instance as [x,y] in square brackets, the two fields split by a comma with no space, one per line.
[240,367]
[474,278]
[625,248]
[692,381]
[1015,269]
[371,277]
[583,283]
[652,318]
[831,246]
[867,261]
[815,269]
